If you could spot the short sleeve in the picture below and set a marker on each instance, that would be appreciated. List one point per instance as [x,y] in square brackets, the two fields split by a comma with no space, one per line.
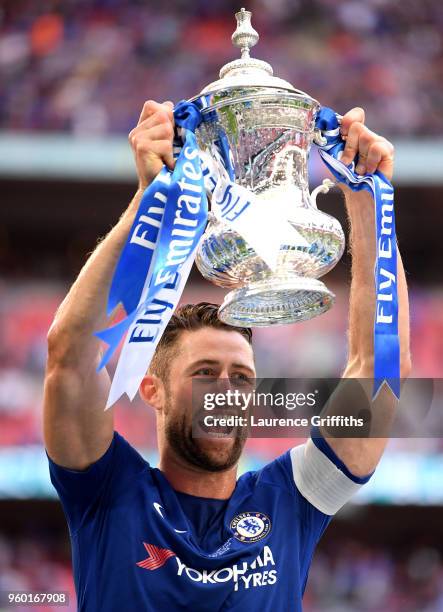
[279,472]
[82,492]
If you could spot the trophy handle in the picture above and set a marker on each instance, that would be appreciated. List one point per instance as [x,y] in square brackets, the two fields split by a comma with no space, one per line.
[323,188]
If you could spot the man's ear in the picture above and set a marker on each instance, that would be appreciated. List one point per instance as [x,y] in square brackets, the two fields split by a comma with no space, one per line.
[152,391]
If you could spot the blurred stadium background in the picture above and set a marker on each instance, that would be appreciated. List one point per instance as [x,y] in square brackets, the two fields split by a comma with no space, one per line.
[73,77]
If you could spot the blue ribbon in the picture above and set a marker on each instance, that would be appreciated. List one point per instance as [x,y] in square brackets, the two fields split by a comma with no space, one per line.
[386,340]
[170,220]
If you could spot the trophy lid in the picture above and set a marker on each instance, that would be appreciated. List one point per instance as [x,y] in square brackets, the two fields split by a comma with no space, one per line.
[247,71]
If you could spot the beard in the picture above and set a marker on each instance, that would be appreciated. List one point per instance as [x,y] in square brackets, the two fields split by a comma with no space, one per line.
[198,451]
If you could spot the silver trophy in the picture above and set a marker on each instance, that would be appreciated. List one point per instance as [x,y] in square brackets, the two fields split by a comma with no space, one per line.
[266,127]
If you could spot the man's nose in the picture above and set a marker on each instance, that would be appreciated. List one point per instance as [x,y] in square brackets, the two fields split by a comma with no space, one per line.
[224,383]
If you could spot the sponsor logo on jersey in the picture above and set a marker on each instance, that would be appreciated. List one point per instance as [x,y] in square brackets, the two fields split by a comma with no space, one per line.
[250,526]
[261,572]
[156,557]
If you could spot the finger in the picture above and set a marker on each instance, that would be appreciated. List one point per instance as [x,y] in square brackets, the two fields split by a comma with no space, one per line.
[351,147]
[169,160]
[159,118]
[356,114]
[162,149]
[366,138]
[375,155]
[380,157]
[150,107]
[159,131]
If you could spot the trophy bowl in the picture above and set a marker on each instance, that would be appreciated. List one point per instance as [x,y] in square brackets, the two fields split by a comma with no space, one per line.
[262,129]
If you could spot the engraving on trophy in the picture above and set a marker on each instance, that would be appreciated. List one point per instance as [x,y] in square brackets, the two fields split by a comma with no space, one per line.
[263,128]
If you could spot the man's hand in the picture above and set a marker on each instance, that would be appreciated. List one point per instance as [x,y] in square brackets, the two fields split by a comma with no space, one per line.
[361,455]
[374,151]
[151,141]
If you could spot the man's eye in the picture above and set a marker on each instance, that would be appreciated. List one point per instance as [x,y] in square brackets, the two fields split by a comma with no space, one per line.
[204,372]
[240,376]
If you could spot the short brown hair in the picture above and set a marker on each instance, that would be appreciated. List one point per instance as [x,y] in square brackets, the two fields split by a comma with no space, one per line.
[189,317]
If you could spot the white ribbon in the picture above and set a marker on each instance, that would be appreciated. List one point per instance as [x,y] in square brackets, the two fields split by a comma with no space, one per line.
[263,224]
[135,358]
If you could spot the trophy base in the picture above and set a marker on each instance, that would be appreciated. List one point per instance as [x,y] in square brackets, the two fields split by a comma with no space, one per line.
[275,302]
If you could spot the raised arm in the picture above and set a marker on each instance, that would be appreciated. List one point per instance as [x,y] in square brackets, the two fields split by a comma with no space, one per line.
[77,430]
[361,455]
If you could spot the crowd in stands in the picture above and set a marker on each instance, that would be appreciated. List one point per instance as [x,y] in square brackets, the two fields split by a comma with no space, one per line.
[35,563]
[353,576]
[86,66]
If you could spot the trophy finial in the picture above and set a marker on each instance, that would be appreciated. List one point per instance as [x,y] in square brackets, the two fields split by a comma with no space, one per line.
[247,70]
[244,36]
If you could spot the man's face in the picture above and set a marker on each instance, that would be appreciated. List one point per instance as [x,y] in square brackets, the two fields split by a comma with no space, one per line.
[207,360]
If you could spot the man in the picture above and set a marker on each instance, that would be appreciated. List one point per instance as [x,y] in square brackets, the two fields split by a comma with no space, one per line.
[188,534]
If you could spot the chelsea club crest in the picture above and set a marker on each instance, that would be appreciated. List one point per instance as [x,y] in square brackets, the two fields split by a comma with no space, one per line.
[250,526]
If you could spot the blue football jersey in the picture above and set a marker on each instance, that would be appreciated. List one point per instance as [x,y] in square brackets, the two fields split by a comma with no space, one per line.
[137,544]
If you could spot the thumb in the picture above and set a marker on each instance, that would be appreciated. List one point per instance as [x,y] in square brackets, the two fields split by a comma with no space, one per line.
[169,161]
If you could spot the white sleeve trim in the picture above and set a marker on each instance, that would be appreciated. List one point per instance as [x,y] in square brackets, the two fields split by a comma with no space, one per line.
[319,480]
